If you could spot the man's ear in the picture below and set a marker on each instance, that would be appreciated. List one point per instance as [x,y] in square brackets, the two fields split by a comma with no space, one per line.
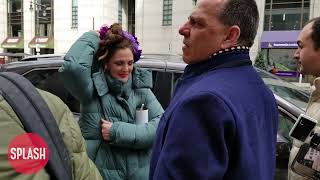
[232,36]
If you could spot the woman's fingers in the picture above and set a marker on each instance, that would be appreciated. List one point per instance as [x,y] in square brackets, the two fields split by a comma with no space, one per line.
[104,121]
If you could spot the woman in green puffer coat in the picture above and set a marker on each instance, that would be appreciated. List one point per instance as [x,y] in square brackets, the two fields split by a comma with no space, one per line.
[100,73]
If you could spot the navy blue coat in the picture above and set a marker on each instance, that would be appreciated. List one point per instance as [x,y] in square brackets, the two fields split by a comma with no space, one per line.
[220,124]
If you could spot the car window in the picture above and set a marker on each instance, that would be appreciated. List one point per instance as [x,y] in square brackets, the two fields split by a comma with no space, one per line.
[162,86]
[48,80]
[288,91]
[294,96]
[176,78]
[284,126]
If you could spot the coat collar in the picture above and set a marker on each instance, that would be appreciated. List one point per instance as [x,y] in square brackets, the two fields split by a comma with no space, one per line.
[140,78]
[215,61]
[117,87]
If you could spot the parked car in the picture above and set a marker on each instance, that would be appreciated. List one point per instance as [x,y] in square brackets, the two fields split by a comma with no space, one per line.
[43,57]
[166,70]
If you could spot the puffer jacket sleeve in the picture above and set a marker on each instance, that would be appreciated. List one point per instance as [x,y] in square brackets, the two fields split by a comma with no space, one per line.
[138,136]
[76,70]
[82,166]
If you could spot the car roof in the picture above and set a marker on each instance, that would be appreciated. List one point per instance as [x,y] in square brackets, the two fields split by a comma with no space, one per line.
[162,57]
[22,67]
[169,62]
[289,107]
[43,56]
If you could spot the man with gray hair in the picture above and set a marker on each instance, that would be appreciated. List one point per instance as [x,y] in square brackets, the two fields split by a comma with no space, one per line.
[222,120]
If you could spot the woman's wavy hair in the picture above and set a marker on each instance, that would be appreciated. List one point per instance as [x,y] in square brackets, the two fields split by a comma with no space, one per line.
[113,41]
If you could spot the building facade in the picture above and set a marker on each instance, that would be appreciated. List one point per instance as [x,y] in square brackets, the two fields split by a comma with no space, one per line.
[283,21]
[280,24]
[160,36]
[46,26]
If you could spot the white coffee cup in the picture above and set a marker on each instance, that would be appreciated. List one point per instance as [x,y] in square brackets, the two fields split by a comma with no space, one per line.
[141,116]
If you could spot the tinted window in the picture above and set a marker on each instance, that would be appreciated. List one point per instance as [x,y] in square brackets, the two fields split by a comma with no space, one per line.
[284,126]
[162,86]
[48,80]
[285,90]
[293,96]
[176,78]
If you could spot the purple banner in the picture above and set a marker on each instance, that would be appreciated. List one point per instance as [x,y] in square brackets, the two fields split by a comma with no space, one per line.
[280,45]
[287,73]
[279,39]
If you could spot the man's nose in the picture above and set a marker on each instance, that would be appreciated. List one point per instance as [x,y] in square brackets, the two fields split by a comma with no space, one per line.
[184,30]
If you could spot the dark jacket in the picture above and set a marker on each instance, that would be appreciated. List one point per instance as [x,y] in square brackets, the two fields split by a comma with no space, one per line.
[220,124]
[127,156]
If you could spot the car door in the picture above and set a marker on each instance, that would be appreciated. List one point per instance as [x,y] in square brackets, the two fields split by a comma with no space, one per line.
[284,142]
[47,79]
[162,86]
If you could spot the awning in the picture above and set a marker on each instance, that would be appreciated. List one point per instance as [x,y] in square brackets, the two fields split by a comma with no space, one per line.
[279,39]
[43,42]
[13,43]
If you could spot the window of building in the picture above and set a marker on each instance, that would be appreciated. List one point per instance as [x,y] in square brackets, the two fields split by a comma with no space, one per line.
[120,11]
[194,2]
[167,13]
[46,19]
[43,14]
[286,14]
[131,16]
[74,14]
[15,18]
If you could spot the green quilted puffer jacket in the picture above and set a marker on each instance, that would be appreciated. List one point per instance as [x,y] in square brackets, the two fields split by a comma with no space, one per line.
[10,126]
[127,155]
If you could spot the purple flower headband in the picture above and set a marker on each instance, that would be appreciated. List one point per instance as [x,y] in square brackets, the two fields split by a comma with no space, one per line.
[135,44]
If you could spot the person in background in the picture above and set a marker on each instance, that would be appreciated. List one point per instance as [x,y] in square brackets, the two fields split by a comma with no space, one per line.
[99,71]
[222,121]
[308,58]
[274,69]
